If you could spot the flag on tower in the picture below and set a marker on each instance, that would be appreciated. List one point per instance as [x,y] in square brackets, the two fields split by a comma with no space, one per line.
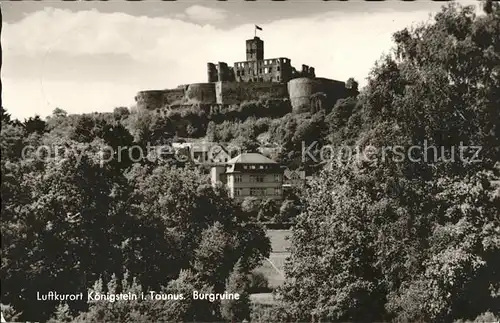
[257,27]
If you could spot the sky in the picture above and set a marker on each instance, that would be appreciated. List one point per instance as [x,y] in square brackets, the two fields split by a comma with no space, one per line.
[93,56]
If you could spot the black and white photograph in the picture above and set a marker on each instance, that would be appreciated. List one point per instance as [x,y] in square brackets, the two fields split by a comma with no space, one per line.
[250,161]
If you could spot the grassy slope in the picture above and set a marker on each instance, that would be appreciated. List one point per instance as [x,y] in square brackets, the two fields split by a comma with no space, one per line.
[279,252]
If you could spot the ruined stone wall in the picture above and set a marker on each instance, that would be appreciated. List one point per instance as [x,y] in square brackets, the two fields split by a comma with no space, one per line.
[219,72]
[174,95]
[150,100]
[202,93]
[333,89]
[255,91]
[266,70]
[301,89]
[211,73]
[157,99]
[237,92]
[197,93]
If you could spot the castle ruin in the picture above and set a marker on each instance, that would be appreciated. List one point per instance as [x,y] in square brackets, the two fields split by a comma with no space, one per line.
[249,80]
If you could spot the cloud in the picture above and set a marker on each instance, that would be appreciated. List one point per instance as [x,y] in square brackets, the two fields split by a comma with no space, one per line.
[338,50]
[25,98]
[204,14]
[160,52]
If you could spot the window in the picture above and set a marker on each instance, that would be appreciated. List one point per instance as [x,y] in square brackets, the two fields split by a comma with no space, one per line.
[277,191]
[254,191]
[256,178]
[270,69]
[237,191]
[277,68]
[277,178]
[238,179]
[277,78]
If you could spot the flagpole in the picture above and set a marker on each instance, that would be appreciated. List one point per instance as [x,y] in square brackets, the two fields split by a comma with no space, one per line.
[254,31]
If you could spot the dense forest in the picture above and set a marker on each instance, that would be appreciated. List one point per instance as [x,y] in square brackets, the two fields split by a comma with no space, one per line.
[374,239]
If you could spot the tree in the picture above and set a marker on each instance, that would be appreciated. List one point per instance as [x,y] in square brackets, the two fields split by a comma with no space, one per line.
[12,140]
[318,102]
[250,206]
[9,314]
[4,116]
[211,134]
[35,125]
[352,85]
[411,239]
[59,113]
[121,113]
[268,209]
[287,212]
[204,230]
[137,310]
[238,283]
[330,269]
[63,225]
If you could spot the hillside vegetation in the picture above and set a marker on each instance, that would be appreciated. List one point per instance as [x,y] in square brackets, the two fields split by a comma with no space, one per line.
[382,238]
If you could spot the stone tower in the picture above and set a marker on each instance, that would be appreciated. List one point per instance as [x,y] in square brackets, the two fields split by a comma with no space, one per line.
[255,49]
[212,73]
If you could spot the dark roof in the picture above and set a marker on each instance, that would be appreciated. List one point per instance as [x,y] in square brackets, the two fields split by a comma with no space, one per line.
[251,158]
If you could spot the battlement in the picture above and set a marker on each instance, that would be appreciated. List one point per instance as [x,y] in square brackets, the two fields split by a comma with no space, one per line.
[220,72]
[256,68]
[252,79]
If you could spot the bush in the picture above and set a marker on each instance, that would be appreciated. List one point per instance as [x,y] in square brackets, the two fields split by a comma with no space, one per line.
[9,313]
[485,317]
[269,313]
[258,283]
[238,282]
